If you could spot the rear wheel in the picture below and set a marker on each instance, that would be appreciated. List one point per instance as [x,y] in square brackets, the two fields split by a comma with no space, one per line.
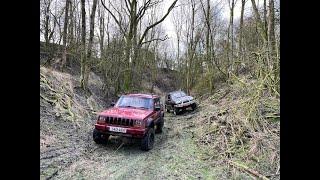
[99,138]
[148,140]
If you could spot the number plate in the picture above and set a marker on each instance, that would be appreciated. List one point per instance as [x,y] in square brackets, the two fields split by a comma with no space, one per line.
[118,129]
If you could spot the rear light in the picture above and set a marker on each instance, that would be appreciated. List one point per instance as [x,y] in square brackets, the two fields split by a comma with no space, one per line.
[101,120]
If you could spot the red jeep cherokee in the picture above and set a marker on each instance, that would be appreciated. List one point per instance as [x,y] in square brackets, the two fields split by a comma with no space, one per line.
[134,116]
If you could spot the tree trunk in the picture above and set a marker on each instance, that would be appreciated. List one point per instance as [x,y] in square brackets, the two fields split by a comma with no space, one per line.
[231,36]
[46,33]
[65,32]
[191,53]
[101,28]
[272,41]
[241,29]
[208,47]
[71,25]
[83,81]
[265,17]
[90,43]
[261,28]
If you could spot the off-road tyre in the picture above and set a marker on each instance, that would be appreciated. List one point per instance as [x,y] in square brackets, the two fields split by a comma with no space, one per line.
[99,138]
[148,140]
[193,106]
[160,126]
[175,111]
[167,110]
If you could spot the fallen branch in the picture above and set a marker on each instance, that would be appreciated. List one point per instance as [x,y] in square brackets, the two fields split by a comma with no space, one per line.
[47,99]
[119,147]
[52,175]
[248,170]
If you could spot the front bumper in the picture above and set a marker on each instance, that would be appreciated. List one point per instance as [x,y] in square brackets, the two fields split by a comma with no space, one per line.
[187,104]
[131,131]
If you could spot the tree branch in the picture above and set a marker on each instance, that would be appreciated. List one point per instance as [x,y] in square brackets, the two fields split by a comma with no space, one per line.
[143,9]
[127,6]
[155,39]
[114,17]
[156,23]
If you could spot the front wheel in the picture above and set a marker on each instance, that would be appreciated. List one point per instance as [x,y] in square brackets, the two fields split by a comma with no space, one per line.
[167,110]
[194,106]
[176,111]
[99,138]
[148,140]
[160,126]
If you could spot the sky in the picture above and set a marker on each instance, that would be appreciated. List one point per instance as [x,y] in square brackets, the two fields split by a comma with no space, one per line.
[168,25]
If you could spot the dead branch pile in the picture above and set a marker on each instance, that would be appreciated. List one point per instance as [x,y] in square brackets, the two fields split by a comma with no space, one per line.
[242,123]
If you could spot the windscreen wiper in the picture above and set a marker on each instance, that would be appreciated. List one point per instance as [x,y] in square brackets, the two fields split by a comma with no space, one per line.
[142,107]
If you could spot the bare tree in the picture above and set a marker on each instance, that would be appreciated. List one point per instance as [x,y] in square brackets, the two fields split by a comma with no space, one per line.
[84,65]
[265,21]
[274,64]
[102,31]
[259,21]
[133,42]
[231,37]
[243,2]
[65,32]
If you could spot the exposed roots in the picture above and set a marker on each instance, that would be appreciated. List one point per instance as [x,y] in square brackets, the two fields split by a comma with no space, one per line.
[59,98]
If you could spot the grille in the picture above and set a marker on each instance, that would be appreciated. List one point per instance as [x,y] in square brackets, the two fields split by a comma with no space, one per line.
[186,101]
[119,121]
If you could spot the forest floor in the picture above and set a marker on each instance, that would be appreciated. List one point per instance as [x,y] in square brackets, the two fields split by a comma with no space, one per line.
[174,156]
[67,150]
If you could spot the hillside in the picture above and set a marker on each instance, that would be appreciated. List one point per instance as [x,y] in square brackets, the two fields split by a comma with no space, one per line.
[67,117]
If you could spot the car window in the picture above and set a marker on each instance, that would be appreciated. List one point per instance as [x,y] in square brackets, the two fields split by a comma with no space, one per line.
[157,103]
[135,102]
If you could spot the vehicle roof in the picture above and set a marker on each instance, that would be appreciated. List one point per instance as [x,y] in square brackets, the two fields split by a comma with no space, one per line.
[143,95]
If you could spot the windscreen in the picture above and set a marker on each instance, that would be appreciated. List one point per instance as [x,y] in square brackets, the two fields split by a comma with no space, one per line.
[135,102]
[177,95]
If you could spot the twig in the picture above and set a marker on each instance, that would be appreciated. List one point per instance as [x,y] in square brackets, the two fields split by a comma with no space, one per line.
[48,100]
[52,175]
[119,147]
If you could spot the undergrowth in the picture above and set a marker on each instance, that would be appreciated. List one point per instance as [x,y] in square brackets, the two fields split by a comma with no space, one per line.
[240,129]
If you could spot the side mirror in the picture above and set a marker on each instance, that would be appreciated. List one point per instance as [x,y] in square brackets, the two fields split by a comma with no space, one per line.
[112,104]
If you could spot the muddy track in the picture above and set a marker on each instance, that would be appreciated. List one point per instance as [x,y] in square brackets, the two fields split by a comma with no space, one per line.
[174,156]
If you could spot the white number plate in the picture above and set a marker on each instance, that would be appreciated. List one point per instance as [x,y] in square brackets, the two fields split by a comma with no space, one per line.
[118,129]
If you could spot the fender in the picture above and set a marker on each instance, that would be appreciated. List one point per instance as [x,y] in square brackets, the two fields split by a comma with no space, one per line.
[149,122]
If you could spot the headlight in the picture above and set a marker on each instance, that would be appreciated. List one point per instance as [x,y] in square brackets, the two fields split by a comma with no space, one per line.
[138,123]
[101,120]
